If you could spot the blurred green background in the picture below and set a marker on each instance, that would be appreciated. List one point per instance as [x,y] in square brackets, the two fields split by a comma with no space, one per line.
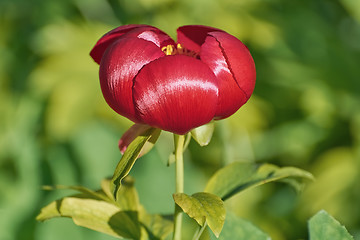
[55,127]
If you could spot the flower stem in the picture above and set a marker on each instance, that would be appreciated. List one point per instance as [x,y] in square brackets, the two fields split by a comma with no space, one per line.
[179,184]
[199,232]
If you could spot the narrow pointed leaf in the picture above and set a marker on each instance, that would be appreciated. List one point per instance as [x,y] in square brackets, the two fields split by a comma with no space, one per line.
[100,195]
[238,176]
[128,159]
[324,226]
[203,207]
[94,214]
[151,142]
[133,132]
[128,198]
[238,228]
[130,135]
[203,134]
[105,187]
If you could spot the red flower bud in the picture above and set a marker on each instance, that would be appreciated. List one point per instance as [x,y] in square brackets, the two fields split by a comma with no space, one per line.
[146,77]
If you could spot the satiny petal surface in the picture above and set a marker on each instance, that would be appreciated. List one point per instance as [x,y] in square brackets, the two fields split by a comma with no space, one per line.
[151,34]
[110,37]
[176,93]
[193,36]
[239,59]
[119,65]
[234,69]
[145,32]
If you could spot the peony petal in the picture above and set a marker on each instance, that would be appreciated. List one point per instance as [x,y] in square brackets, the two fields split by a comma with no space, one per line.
[152,34]
[239,59]
[118,67]
[145,32]
[110,37]
[234,67]
[176,93]
[193,36]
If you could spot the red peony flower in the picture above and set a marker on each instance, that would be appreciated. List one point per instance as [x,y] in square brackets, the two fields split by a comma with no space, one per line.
[148,78]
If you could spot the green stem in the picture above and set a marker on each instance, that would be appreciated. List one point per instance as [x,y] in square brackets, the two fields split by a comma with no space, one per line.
[199,232]
[179,184]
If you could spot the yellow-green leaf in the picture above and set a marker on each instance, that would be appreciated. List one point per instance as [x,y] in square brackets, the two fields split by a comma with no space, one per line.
[203,207]
[156,226]
[203,134]
[323,226]
[100,195]
[123,218]
[240,229]
[239,176]
[95,214]
[128,198]
[128,159]
[134,131]
[151,142]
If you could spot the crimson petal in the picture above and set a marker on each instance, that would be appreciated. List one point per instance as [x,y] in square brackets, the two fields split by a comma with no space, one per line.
[239,59]
[176,93]
[193,36]
[145,32]
[119,65]
[234,67]
[110,37]
[151,34]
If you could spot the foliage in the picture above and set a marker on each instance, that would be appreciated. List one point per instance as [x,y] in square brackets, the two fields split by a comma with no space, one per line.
[323,226]
[116,211]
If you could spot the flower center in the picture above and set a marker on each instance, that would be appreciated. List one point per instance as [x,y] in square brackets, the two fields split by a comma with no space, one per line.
[178,49]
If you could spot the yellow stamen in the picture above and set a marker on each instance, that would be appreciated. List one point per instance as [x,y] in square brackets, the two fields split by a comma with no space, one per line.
[169,50]
[179,49]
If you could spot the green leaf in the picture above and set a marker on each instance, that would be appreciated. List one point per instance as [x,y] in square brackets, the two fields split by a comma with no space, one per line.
[123,218]
[134,131]
[156,226]
[323,226]
[94,195]
[203,134]
[130,135]
[203,207]
[106,188]
[151,142]
[238,176]
[239,229]
[128,198]
[94,214]
[128,159]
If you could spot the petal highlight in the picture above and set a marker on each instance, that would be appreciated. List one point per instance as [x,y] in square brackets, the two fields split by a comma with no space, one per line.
[193,36]
[239,59]
[176,93]
[145,32]
[231,62]
[119,65]
[110,37]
